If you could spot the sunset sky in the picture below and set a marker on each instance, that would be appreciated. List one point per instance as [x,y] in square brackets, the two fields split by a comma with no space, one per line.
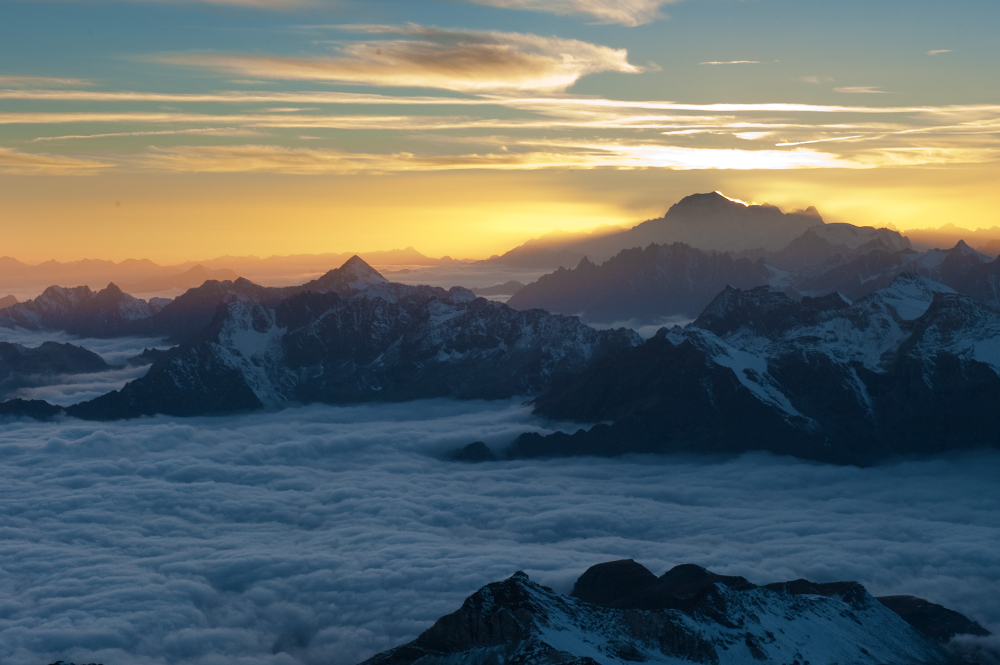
[185,130]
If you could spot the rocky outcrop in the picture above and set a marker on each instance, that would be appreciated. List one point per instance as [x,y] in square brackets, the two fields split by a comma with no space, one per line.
[620,612]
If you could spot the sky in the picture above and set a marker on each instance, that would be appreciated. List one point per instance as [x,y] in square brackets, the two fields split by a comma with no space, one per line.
[177,131]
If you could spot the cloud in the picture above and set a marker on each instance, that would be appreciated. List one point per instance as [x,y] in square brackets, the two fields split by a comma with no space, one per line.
[461,60]
[66,390]
[730,62]
[552,155]
[15,162]
[861,90]
[939,51]
[815,80]
[208,131]
[624,12]
[38,81]
[325,535]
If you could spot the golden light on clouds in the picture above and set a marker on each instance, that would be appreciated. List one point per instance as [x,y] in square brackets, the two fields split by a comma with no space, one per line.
[461,60]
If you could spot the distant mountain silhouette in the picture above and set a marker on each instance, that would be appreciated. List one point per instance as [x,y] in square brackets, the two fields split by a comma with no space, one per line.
[506,289]
[7,301]
[704,221]
[663,281]
[190,278]
[641,284]
[144,276]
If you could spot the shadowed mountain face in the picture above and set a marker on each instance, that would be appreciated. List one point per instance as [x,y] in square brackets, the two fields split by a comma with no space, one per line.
[352,336]
[642,284]
[621,613]
[661,282]
[912,368]
[705,221]
[21,366]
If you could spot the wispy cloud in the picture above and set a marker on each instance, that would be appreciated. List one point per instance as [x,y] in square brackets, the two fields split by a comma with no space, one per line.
[861,90]
[546,155]
[730,62]
[939,51]
[40,81]
[835,138]
[624,12]
[461,60]
[15,162]
[815,80]
[209,131]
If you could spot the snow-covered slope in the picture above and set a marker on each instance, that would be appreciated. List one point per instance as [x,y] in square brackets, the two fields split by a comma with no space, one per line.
[708,619]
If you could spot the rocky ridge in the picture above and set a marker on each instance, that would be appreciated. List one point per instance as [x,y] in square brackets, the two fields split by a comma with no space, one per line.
[619,612]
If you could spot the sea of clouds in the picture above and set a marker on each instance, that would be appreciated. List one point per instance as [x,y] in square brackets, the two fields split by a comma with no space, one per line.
[327,534]
[71,389]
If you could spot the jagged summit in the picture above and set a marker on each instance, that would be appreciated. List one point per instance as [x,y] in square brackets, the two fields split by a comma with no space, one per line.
[697,616]
[354,275]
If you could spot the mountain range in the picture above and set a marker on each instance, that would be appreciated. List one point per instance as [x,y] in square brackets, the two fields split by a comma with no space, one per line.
[144,276]
[620,613]
[677,280]
[911,368]
[353,336]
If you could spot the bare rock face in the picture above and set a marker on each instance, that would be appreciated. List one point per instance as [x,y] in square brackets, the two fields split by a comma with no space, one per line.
[620,613]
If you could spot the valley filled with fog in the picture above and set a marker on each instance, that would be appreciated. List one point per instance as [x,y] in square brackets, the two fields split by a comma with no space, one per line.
[326,534]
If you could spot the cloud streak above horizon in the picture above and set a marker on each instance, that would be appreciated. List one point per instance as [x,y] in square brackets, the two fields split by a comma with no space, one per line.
[459,60]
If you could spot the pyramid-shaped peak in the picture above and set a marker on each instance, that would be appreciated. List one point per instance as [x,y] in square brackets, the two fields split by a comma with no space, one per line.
[357,266]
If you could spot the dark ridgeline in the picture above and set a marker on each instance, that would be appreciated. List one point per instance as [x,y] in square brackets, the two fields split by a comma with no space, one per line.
[620,611]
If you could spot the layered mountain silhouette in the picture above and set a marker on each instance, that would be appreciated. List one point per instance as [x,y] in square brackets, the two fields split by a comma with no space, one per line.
[663,281]
[710,222]
[912,368]
[620,612]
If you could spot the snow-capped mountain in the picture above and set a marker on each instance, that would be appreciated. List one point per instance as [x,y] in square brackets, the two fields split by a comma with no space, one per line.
[106,313]
[353,336]
[621,613]
[914,367]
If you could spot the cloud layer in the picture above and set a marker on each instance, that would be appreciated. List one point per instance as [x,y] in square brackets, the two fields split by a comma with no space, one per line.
[462,60]
[323,535]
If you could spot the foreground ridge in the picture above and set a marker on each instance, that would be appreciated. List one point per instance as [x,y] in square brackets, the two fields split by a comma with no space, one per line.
[620,612]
